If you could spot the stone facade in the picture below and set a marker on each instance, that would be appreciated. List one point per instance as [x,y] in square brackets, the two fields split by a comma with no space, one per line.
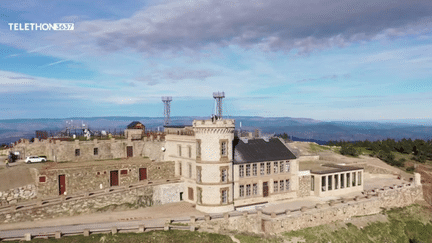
[168,193]
[89,178]
[59,151]
[270,172]
[304,186]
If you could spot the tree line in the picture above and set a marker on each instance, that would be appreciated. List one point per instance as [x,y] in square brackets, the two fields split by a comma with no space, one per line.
[420,150]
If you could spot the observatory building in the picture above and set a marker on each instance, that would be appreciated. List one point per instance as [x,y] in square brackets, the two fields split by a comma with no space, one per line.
[207,163]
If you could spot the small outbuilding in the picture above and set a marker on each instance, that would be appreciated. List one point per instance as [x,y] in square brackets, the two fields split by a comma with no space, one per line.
[135,131]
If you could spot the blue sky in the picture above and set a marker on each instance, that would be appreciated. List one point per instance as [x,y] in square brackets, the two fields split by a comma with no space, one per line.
[326,60]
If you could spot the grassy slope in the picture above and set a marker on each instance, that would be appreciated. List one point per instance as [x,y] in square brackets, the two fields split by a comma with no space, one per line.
[409,224]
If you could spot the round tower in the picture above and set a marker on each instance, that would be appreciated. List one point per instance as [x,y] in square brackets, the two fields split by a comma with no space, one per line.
[214,165]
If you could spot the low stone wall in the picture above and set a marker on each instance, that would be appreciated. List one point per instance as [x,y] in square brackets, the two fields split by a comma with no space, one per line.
[20,194]
[278,222]
[375,170]
[140,196]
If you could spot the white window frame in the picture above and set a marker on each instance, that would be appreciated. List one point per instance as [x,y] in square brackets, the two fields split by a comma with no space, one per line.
[248,170]
[255,189]
[254,169]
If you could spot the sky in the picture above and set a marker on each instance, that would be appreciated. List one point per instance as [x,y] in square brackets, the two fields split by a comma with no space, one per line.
[325,60]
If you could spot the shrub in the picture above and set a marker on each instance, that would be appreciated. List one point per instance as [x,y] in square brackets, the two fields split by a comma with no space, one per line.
[410,169]
[348,149]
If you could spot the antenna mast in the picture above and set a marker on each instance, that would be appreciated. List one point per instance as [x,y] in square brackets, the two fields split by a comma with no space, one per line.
[167,109]
[218,96]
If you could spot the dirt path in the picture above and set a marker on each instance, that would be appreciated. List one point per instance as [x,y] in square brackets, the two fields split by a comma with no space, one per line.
[171,210]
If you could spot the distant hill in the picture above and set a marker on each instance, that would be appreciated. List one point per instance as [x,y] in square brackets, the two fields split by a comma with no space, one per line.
[304,129]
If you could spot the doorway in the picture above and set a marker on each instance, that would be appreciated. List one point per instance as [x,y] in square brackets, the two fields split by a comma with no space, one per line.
[181,196]
[62,184]
[129,151]
[265,189]
[190,193]
[142,174]
[114,181]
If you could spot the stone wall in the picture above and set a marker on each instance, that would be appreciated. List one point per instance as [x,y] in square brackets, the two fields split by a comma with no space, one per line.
[59,151]
[304,186]
[16,195]
[90,178]
[280,222]
[167,193]
[139,197]
[374,169]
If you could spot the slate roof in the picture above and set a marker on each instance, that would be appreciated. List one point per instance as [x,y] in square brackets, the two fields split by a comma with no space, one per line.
[133,124]
[258,150]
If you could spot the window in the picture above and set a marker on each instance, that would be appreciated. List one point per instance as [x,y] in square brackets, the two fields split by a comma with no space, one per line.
[342,178]
[359,178]
[336,179]
[199,195]
[323,183]
[312,183]
[42,178]
[224,151]
[254,169]
[95,151]
[179,150]
[261,168]
[180,168]
[348,179]
[281,166]
[241,191]
[248,190]
[198,171]
[224,175]
[281,185]
[268,168]
[247,170]
[287,184]
[241,170]
[190,193]
[190,151]
[123,172]
[275,167]
[353,179]
[77,152]
[190,170]
[198,148]
[287,166]
[275,186]
[255,189]
[329,182]
[224,196]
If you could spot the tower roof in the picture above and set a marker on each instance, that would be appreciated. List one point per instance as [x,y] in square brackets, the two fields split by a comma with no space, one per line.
[259,150]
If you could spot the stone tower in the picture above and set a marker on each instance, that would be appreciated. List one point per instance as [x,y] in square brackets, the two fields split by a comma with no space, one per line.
[214,182]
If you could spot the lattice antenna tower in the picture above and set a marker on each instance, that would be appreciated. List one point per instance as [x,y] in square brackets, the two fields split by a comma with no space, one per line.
[167,109]
[218,96]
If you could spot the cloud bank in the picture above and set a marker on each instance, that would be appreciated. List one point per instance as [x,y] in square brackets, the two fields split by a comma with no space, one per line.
[276,25]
